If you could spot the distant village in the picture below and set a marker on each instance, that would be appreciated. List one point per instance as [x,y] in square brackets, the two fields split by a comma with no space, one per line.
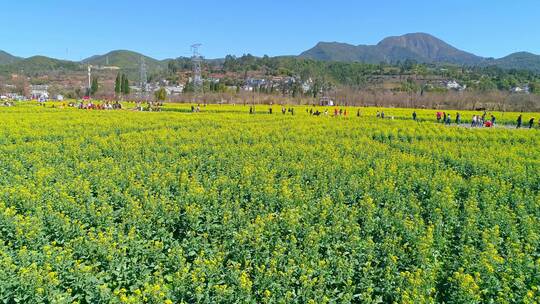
[276,84]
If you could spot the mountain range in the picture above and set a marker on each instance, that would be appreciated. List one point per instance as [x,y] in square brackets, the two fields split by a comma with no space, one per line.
[128,61]
[421,47]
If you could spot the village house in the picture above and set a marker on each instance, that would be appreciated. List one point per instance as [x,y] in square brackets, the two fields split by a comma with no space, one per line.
[39,92]
[174,90]
[454,85]
[520,90]
[307,85]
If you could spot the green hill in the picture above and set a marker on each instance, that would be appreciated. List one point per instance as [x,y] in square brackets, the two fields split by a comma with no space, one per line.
[519,61]
[128,61]
[418,46]
[40,64]
[6,58]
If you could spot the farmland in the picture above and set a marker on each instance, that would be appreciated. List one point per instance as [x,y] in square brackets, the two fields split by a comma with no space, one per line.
[226,207]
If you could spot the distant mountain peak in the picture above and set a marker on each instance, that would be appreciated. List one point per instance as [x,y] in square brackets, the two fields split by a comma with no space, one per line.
[421,47]
[128,61]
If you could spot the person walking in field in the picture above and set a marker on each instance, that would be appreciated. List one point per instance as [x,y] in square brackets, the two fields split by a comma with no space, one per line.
[492,119]
[414,115]
[283,110]
[531,123]
[458,118]
[382,114]
[519,121]
[336,112]
[473,124]
[270,110]
[378,114]
[358,113]
[444,117]
[438,116]
[448,119]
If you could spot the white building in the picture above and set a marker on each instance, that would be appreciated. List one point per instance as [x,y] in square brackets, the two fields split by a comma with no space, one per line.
[520,90]
[306,86]
[40,92]
[174,90]
[326,101]
[454,85]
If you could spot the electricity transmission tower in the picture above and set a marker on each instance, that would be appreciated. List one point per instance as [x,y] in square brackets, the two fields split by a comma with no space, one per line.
[89,79]
[197,77]
[143,78]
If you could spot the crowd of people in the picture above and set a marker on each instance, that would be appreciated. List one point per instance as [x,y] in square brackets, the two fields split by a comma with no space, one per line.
[483,120]
[96,106]
[284,110]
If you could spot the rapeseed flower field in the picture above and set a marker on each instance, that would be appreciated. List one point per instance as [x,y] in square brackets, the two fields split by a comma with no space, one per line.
[226,207]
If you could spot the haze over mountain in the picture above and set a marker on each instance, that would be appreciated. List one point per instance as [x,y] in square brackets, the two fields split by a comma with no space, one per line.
[421,47]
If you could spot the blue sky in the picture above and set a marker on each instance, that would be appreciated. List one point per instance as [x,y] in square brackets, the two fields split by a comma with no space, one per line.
[166,28]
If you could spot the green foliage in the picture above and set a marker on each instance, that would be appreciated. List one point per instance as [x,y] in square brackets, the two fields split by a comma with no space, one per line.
[125,84]
[359,75]
[118,84]
[534,87]
[410,86]
[94,86]
[487,84]
[189,87]
[160,94]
